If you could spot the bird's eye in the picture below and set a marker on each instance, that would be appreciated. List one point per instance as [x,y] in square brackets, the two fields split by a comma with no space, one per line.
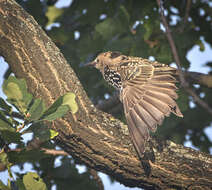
[97,60]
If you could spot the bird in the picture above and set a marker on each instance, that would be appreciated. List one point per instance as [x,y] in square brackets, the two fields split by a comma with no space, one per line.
[147,90]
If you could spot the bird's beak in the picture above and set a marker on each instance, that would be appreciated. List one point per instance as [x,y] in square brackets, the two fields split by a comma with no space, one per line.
[90,64]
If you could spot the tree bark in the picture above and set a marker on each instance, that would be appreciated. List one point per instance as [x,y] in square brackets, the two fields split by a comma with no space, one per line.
[91,136]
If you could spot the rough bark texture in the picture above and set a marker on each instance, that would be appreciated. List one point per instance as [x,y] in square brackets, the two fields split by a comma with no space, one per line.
[91,136]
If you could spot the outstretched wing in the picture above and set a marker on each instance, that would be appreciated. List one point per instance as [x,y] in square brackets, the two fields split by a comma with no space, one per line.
[148,95]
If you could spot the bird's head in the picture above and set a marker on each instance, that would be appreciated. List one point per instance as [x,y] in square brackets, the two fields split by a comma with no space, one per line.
[106,59]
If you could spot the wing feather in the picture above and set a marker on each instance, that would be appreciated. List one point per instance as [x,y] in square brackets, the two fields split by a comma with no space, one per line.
[148,97]
[169,92]
[166,78]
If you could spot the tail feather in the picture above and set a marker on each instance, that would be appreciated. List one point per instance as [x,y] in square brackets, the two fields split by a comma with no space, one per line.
[139,124]
[137,139]
[153,111]
[150,121]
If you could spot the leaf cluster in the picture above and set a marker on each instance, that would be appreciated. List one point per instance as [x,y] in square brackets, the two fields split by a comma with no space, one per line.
[21,114]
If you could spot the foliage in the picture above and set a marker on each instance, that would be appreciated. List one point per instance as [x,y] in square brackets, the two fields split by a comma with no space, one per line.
[29,118]
[85,28]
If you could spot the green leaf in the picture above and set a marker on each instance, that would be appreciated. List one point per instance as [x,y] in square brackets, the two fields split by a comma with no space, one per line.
[53,108]
[5,126]
[5,106]
[53,133]
[26,156]
[11,136]
[201,45]
[20,184]
[32,181]
[16,92]
[3,187]
[69,99]
[42,132]
[149,29]
[13,91]
[183,101]
[53,13]
[59,112]
[8,133]
[107,28]
[61,106]
[125,13]
[4,158]
[36,110]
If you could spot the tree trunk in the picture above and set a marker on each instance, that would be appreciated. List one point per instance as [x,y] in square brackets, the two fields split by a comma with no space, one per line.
[91,136]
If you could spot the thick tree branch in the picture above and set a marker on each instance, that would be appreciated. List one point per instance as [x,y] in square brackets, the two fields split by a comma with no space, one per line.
[184,83]
[91,136]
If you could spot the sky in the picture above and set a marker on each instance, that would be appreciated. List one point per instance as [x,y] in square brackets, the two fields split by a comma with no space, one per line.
[197,60]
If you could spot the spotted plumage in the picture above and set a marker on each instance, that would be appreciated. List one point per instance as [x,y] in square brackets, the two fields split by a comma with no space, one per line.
[112,77]
[147,91]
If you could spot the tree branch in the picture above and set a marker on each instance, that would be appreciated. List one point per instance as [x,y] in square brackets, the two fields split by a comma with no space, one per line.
[92,137]
[188,6]
[34,145]
[184,83]
[198,78]
[185,20]
[46,151]
[98,180]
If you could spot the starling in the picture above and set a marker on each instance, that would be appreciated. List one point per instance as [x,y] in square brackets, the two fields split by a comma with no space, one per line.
[147,91]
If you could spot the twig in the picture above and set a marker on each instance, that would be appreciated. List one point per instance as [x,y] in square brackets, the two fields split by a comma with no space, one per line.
[184,83]
[96,178]
[36,144]
[198,78]
[185,20]
[54,152]
[188,6]
[46,151]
